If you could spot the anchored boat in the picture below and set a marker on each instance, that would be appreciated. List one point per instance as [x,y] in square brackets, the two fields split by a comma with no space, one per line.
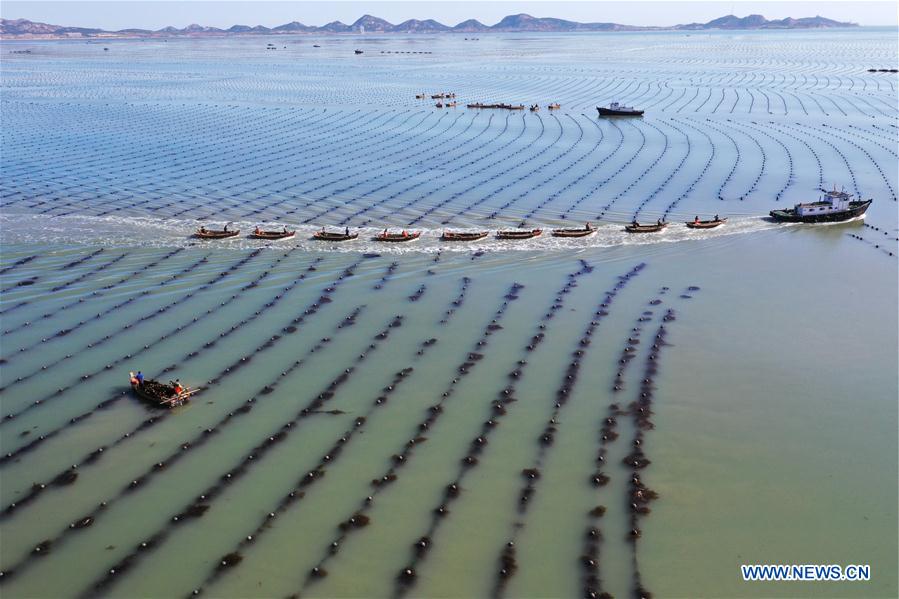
[616,109]
[160,394]
[835,206]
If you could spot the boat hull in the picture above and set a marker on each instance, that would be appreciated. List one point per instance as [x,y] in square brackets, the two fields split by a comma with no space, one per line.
[573,232]
[397,238]
[334,236]
[611,112]
[856,209]
[272,236]
[463,236]
[518,234]
[645,228]
[216,234]
[706,224]
[158,394]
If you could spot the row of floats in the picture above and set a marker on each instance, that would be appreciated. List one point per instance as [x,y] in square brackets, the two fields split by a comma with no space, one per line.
[402,236]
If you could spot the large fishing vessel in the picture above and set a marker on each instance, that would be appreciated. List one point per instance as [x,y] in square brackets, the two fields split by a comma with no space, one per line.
[835,206]
[616,109]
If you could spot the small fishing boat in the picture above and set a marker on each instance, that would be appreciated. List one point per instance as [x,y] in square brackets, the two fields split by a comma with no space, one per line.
[588,229]
[534,108]
[555,106]
[160,394]
[463,235]
[357,51]
[397,237]
[439,105]
[334,235]
[706,224]
[204,233]
[272,235]
[616,109]
[438,96]
[518,234]
[451,104]
[638,228]
[420,97]
[834,207]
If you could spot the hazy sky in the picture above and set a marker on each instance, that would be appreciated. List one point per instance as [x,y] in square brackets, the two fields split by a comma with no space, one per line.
[120,14]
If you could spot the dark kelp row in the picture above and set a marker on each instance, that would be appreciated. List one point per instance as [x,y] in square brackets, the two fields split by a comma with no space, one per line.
[507,563]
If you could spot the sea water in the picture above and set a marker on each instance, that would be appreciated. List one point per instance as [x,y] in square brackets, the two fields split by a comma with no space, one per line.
[773,390]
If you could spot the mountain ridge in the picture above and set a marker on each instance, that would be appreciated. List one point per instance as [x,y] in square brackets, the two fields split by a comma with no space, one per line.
[23,28]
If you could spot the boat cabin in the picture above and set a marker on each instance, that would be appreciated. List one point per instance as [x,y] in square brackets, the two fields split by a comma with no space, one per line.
[833,201]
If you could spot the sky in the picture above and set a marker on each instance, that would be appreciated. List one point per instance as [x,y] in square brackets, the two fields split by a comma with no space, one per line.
[121,14]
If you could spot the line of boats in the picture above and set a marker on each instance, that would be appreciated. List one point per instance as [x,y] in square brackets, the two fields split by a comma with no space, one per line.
[398,237]
[833,206]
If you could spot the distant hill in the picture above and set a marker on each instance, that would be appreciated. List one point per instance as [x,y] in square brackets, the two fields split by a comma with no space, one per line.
[23,28]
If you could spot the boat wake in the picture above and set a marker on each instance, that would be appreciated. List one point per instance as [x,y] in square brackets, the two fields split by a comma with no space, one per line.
[118,231]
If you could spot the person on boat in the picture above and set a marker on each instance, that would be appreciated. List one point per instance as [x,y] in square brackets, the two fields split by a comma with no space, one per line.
[134,381]
[346,231]
[178,388]
[716,218]
[285,230]
[384,234]
[635,223]
[405,234]
[257,231]
[140,377]
[696,220]
[587,227]
[226,228]
[203,230]
[659,222]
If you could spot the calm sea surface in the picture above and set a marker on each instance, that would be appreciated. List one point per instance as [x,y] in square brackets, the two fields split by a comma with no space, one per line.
[434,419]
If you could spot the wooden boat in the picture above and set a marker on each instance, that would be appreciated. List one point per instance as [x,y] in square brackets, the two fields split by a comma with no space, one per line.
[582,232]
[334,236]
[638,228]
[162,395]
[534,108]
[438,96]
[518,234]
[706,224]
[204,233]
[555,106]
[439,105]
[420,97]
[272,235]
[397,237]
[463,235]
